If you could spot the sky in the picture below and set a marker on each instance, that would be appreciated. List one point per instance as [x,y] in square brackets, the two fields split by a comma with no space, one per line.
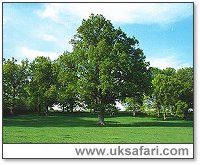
[164,30]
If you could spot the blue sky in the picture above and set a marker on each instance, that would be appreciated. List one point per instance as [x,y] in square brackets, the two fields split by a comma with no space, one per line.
[164,30]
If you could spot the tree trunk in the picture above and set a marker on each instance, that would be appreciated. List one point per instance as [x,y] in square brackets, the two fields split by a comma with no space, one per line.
[63,108]
[101,121]
[186,114]
[12,103]
[158,113]
[133,112]
[12,107]
[11,112]
[68,109]
[47,111]
[35,107]
[38,104]
[71,107]
[159,110]
[164,112]
[164,116]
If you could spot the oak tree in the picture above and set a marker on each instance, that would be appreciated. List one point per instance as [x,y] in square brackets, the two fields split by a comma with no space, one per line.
[110,66]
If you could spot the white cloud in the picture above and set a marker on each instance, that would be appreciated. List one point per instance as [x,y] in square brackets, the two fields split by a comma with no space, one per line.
[163,62]
[51,11]
[142,13]
[30,54]
[48,37]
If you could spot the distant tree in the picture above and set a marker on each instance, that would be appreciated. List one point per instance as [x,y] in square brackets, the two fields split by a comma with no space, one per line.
[42,87]
[181,108]
[15,78]
[155,71]
[166,93]
[185,76]
[66,81]
[149,106]
[169,71]
[132,104]
[109,65]
[173,91]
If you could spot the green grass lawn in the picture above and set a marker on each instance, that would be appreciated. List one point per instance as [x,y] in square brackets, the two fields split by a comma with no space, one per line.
[82,128]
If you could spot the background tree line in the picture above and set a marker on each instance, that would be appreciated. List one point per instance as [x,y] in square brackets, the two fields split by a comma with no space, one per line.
[36,86]
[171,94]
[104,66]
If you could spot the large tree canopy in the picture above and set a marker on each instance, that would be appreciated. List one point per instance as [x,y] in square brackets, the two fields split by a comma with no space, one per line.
[110,65]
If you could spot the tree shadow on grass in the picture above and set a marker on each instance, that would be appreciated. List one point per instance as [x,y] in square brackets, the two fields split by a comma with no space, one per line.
[74,120]
[152,124]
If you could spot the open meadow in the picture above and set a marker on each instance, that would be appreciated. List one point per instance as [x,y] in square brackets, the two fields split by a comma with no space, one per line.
[82,128]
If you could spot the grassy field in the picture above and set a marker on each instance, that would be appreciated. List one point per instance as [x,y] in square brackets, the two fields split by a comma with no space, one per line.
[82,128]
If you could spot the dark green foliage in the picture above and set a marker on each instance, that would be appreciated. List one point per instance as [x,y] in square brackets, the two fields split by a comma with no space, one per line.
[181,109]
[185,77]
[66,82]
[42,85]
[172,91]
[15,79]
[109,64]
